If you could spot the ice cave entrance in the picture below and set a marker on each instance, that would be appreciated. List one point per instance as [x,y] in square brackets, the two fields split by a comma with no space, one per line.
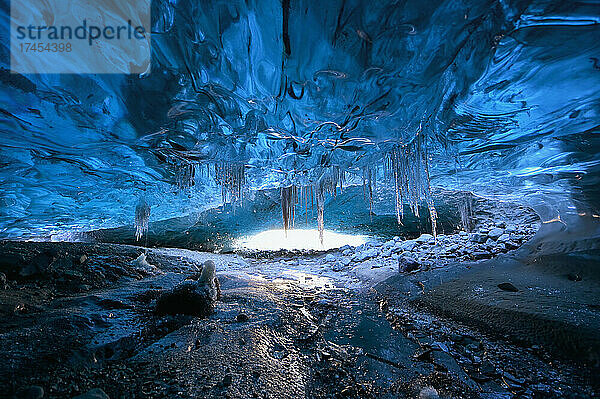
[299,239]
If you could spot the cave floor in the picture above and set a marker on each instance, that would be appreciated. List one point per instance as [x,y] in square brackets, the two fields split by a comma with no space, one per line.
[286,327]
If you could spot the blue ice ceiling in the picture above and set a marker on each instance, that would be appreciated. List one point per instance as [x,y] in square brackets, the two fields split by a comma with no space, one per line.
[504,95]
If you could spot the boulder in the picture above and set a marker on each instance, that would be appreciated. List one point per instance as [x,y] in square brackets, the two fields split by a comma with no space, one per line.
[479,238]
[423,238]
[406,245]
[366,254]
[195,296]
[495,233]
[329,258]
[407,264]
[508,287]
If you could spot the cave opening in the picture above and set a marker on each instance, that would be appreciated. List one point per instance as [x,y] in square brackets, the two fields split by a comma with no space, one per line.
[300,199]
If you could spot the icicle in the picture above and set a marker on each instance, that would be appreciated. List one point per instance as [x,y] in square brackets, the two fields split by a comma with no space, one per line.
[185,173]
[289,198]
[320,194]
[408,166]
[231,178]
[465,207]
[142,218]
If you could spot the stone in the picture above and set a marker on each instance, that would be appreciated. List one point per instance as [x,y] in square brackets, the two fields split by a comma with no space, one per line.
[95,393]
[481,255]
[423,238]
[31,392]
[495,233]
[364,255]
[508,287]
[3,282]
[574,277]
[478,238]
[406,245]
[196,296]
[428,393]
[242,317]
[329,258]
[142,264]
[504,237]
[407,264]
[347,252]
[227,380]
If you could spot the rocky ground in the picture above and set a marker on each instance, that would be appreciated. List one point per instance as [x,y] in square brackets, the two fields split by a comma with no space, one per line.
[79,319]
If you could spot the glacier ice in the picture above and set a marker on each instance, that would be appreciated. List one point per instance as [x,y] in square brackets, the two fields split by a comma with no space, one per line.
[501,99]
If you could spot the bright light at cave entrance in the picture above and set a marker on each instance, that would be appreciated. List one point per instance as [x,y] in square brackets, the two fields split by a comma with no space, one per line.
[273,240]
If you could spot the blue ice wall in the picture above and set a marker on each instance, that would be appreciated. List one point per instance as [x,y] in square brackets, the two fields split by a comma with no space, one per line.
[505,92]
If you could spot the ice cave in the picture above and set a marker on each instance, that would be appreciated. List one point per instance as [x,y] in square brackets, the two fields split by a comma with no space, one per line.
[300,199]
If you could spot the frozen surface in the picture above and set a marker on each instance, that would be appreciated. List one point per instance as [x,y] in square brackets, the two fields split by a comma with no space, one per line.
[501,98]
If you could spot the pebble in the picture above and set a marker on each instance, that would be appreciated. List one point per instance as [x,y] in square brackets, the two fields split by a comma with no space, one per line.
[508,287]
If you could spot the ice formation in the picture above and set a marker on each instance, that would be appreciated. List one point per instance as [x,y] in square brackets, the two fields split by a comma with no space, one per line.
[452,93]
[142,218]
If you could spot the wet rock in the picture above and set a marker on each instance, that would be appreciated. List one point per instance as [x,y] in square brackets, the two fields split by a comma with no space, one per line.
[196,296]
[478,238]
[407,264]
[424,238]
[227,380]
[365,255]
[31,392]
[406,245]
[95,393]
[242,317]
[38,265]
[508,287]
[495,233]
[329,258]
[481,255]
[428,393]
[574,277]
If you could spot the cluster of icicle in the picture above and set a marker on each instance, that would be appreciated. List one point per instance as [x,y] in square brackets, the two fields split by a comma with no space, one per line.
[142,217]
[185,173]
[406,167]
[231,177]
